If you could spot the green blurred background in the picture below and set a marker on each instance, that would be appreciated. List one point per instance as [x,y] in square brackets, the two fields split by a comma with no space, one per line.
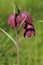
[31,49]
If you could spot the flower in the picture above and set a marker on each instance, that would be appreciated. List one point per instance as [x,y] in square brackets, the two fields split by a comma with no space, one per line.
[28,30]
[11,20]
[22,15]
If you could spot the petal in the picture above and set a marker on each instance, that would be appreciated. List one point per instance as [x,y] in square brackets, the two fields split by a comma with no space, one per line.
[28,33]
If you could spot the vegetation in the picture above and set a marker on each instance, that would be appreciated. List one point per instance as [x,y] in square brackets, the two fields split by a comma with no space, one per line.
[31,49]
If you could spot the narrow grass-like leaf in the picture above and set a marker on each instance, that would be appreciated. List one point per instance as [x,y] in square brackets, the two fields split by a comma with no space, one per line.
[9,37]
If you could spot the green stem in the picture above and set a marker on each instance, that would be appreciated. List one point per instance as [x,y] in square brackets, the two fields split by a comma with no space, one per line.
[18,40]
[15,7]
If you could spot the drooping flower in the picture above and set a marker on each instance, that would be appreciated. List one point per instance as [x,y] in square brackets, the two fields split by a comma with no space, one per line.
[11,20]
[28,30]
[22,15]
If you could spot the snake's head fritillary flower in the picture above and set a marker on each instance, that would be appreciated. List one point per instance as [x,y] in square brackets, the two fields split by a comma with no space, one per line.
[11,20]
[21,16]
[28,30]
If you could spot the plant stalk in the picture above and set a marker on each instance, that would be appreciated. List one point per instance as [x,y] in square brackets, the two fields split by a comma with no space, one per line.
[18,41]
